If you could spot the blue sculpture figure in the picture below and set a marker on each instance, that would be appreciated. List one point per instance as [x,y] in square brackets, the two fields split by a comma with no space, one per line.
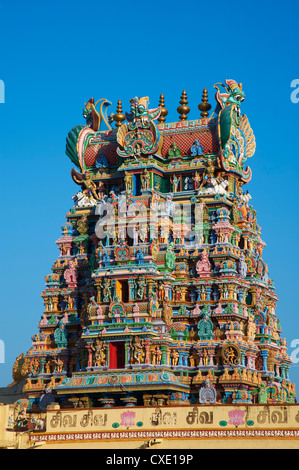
[196,149]
[139,256]
[102,161]
[106,258]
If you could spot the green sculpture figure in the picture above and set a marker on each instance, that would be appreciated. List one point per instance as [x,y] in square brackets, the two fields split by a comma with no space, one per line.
[233,128]
[205,329]
[262,394]
[170,256]
[174,151]
[61,336]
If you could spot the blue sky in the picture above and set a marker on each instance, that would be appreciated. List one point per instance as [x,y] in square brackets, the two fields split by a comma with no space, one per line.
[55,55]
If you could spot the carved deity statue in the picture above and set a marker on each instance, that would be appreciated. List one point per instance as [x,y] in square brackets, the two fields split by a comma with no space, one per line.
[203,266]
[141,285]
[145,179]
[175,183]
[106,288]
[70,275]
[86,181]
[128,181]
[82,225]
[208,173]
[98,347]
[197,180]
[207,393]
[167,312]
[157,356]
[136,346]
[174,356]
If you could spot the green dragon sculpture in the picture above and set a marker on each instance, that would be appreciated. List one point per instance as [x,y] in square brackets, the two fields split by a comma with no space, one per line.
[236,138]
[78,138]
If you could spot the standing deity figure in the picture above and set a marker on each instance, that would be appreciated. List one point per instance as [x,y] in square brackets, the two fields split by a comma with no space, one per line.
[197,180]
[98,348]
[169,205]
[145,179]
[136,312]
[70,275]
[157,356]
[175,183]
[106,290]
[193,358]
[167,312]
[251,328]
[136,346]
[143,232]
[128,181]
[174,357]
[141,285]
[242,266]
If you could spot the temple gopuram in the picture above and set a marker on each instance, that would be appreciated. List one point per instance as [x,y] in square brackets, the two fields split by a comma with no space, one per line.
[159,298]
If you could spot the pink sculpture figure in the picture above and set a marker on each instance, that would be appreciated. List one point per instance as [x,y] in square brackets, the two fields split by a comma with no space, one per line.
[196,311]
[136,313]
[218,309]
[100,316]
[117,317]
[70,275]
[203,266]
[44,320]
[65,318]
[235,308]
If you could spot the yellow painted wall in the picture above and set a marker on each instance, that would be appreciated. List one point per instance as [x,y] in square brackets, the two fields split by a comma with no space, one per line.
[167,427]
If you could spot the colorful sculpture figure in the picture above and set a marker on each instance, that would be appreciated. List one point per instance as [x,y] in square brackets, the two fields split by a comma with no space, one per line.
[196,148]
[137,350]
[170,256]
[86,182]
[175,183]
[209,173]
[70,275]
[93,117]
[236,138]
[145,180]
[174,151]
[203,266]
[197,180]
[207,393]
[141,135]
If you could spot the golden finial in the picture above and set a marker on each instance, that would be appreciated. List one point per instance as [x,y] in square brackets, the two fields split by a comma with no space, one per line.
[204,106]
[119,117]
[164,111]
[183,110]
